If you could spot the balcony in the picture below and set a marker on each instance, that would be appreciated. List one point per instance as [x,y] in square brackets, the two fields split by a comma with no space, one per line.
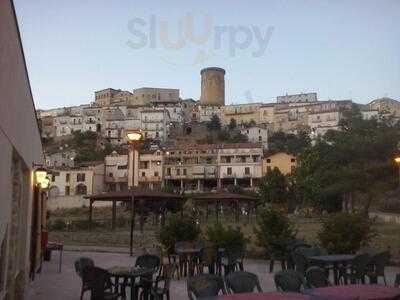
[111,179]
[150,179]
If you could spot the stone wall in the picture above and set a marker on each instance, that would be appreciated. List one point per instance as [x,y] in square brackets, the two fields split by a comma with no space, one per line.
[72,202]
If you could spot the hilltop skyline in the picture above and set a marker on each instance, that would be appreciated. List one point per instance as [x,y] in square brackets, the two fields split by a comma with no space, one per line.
[341,50]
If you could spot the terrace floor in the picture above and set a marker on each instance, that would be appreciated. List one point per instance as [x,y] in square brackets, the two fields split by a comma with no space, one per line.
[66,285]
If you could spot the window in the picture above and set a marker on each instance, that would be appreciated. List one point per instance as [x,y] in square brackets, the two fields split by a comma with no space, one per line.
[247,171]
[229,171]
[293,160]
[143,174]
[228,159]
[53,177]
[260,138]
[292,168]
[80,177]
[67,177]
[67,191]
[110,174]
[178,171]
[184,172]
[268,160]
[169,171]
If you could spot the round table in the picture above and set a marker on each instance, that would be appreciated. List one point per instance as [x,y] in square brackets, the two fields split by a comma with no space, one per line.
[359,291]
[263,296]
[128,274]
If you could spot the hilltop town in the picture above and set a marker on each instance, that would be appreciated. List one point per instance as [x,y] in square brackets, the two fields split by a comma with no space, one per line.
[190,145]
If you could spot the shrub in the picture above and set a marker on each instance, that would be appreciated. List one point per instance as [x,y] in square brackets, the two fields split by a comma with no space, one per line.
[176,230]
[346,232]
[274,230]
[224,237]
[57,225]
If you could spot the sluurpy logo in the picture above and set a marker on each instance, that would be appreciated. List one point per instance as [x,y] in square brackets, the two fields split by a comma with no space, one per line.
[205,37]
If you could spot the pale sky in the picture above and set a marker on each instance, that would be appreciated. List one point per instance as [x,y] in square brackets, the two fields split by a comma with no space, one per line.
[339,49]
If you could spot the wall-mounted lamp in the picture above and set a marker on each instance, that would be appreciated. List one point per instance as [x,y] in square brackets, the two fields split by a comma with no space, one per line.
[41,178]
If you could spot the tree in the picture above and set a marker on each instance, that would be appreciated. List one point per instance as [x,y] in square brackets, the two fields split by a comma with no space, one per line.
[291,143]
[232,124]
[273,187]
[214,124]
[353,163]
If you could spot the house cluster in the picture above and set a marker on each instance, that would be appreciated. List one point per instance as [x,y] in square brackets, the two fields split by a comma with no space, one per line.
[175,125]
[157,111]
[184,168]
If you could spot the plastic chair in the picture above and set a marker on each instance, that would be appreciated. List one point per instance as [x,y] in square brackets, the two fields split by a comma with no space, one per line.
[242,282]
[289,281]
[147,261]
[358,269]
[300,262]
[378,263]
[97,278]
[204,285]
[80,265]
[233,258]
[160,286]
[316,277]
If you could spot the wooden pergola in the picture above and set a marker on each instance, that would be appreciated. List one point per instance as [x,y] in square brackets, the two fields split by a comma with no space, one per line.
[138,199]
[219,198]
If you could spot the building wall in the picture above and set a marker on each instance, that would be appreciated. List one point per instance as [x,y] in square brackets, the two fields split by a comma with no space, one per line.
[20,147]
[242,113]
[308,97]
[283,161]
[60,183]
[256,134]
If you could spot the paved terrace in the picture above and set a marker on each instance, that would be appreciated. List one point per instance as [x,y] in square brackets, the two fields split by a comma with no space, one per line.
[66,285]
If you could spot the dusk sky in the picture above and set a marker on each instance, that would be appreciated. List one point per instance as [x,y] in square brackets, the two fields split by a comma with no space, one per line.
[339,49]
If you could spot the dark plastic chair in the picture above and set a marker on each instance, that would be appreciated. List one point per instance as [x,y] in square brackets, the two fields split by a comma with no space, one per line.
[316,277]
[357,270]
[292,246]
[204,285]
[147,261]
[378,263]
[97,279]
[242,282]
[300,262]
[81,264]
[233,258]
[160,286]
[289,281]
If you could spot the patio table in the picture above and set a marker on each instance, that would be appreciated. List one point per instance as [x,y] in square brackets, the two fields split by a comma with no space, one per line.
[262,296]
[57,247]
[333,260]
[359,291]
[128,274]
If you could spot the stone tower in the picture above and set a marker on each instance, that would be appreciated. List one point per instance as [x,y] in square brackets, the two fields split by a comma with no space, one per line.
[212,86]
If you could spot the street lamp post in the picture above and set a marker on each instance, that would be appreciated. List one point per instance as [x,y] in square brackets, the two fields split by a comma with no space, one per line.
[397,161]
[134,138]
